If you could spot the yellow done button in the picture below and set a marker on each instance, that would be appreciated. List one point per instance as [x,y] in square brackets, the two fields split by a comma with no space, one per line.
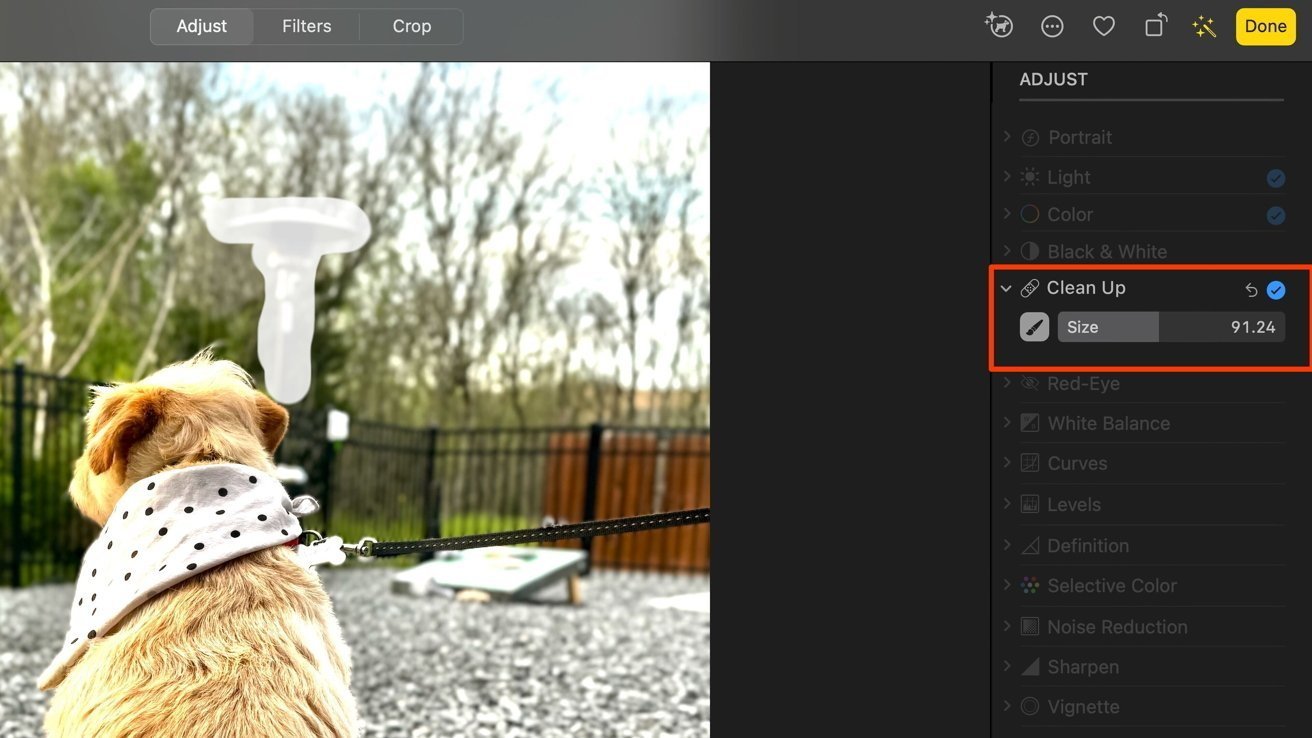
[1266,26]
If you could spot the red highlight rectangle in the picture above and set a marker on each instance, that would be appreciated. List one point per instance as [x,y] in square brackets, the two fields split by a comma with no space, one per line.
[994,268]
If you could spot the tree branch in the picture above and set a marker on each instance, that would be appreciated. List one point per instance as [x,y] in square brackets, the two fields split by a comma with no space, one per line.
[102,307]
[81,231]
[94,262]
[22,336]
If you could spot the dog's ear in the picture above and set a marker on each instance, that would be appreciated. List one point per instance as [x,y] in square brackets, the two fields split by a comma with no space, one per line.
[120,422]
[273,420]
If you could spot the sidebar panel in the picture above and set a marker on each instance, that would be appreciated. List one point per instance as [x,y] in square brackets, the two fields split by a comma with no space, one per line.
[1151,536]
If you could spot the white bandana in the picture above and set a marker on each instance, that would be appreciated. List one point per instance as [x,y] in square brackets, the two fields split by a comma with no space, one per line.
[169,527]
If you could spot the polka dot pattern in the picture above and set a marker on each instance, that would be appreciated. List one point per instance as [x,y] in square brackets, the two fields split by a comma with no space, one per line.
[159,540]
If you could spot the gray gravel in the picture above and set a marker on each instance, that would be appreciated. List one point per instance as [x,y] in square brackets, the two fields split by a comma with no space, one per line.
[434,667]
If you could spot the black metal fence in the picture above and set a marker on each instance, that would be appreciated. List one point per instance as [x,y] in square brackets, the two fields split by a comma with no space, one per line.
[385,481]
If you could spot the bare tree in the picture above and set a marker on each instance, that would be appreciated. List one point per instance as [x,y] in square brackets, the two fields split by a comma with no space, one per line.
[692,320]
[466,156]
[542,210]
[647,198]
[568,314]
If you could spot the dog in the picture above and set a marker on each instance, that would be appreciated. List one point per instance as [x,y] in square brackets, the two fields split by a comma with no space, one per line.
[246,649]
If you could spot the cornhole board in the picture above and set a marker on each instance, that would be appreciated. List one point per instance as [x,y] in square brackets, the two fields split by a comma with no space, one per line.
[504,572]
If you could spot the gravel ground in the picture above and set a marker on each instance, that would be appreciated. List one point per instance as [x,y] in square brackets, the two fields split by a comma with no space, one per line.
[429,666]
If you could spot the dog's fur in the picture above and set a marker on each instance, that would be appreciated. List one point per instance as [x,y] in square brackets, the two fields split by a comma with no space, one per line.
[250,648]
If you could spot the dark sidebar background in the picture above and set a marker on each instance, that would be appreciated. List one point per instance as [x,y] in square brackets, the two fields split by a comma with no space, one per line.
[1150,580]
[852,201]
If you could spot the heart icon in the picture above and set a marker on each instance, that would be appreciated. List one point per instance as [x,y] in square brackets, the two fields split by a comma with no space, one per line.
[1103,24]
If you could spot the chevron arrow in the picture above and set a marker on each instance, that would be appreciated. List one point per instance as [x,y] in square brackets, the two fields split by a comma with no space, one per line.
[1006,213]
[1006,461]
[1006,175]
[1006,545]
[1006,502]
[1006,136]
[1006,665]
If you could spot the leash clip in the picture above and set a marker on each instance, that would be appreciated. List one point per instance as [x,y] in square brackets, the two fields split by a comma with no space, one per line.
[309,537]
[364,548]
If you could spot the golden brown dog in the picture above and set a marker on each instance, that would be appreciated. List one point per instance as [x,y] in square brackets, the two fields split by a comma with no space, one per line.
[250,648]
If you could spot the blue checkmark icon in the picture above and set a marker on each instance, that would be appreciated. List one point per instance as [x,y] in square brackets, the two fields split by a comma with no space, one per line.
[1275,178]
[1275,289]
[1275,215]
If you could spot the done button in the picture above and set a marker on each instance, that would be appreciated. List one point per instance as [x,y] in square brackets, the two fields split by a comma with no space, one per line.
[1266,26]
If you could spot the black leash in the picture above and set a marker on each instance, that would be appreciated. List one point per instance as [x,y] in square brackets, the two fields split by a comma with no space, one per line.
[369,547]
